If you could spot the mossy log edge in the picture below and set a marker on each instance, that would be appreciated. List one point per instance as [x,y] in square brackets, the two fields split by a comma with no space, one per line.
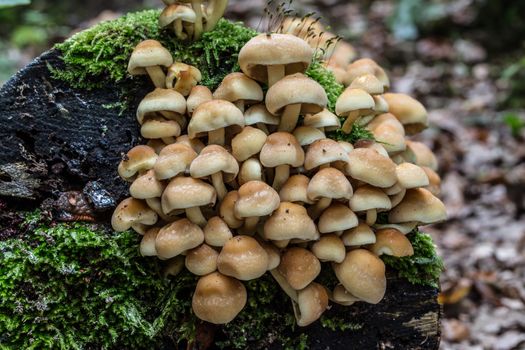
[54,138]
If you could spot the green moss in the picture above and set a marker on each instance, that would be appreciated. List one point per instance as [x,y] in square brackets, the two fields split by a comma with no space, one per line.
[424,267]
[327,80]
[357,133]
[71,286]
[336,323]
[99,55]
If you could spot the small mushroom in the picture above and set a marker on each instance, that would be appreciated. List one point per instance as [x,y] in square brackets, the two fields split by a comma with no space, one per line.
[360,235]
[216,232]
[391,242]
[418,205]
[198,95]
[166,102]
[178,237]
[247,143]
[147,244]
[201,260]
[369,166]
[256,200]
[434,185]
[341,296]
[420,154]
[242,257]
[324,120]
[408,111]
[295,190]
[173,266]
[337,218]
[299,267]
[175,15]
[325,185]
[364,66]
[146,186]
[311,302]
[306,135]
[184,76]
[329,248]
[323,152]
[239,89]
[139,158]
[133,213]
[411,176]
[368,83]
[389,131]
[352,104]
[251,170]
[160,128]
[173,160]
[147,58]
[290,221]
[227,212]
[259,115]
[370,199]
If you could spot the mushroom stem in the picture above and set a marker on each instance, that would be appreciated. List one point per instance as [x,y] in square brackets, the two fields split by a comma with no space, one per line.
[174,116]
[349,121]
[168,140]
[315,211]
[263,127]
[250,225]
[292,293]
[157,76]
[371,216]
[282,173]
[188,27]
[177,27]
[215,12]
[216,137]
[275,73]
[289,117]
[240,105]
[322,166]
[218,183]
[196,5]
[195,215]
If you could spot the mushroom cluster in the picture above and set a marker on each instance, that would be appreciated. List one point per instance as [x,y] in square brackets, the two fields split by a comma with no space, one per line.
[238,182]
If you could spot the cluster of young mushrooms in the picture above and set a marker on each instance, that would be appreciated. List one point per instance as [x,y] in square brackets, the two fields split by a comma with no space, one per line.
[235,183]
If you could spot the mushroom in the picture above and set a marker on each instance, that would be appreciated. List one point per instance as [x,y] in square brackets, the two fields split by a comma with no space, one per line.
[218,298]
[201,260]
[156,144]
[184,76]
[173,160]
[258,114]
[147,58]
[175,15]
[323,152]
[366,66]
[146,186]
[307,135]
[251,170]
[370,144]
[195,144]
[133,213]
[329,248]
[389,131]
[420,154]
[269,57]
[256,199]
[198,95]
[155,204]
[188,194]
[411,176]
[338,72]
[404,227]
[342,54]
[325,185]
[360,235]
[411,113]
[160,128]
[391,242]
[299,267]
[295,190]
[227,212]
[341,296]
[290,221]
[139,158]
[242,257]
[216,232]
[370,199]
[434,185]
[285,99]
[352,104]
[216,162]
[418,205]
[369,166]
[239,89]
[213,117]
[337,218]
[368,83]
[178,237]
[363,275]
[247,143]
[214,13]
[311,302]
[281,150]
[324,120]
[147,244]
[274,255]
[167,102]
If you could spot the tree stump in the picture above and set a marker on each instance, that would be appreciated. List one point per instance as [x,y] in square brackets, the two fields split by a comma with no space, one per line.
[54,138]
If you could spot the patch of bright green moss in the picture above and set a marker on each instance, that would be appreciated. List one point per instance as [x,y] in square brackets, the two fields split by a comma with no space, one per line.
[327,80]
[339,324]
[357,133]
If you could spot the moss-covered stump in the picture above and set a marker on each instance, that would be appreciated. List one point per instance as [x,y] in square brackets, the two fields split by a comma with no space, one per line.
[66,120]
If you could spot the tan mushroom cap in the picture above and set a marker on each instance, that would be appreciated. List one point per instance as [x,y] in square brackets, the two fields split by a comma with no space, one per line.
[178,237]
[312,301]
[256,198]
[329,183]
[434,185]
[174,15]
[161,101]
[324,119]
[271,50]
[376,146]
[218,298]
[295,189]
[173,160]
[147,244]
[418,205]
[299,267]
[156,144]
[329,248]
[343,53]
[411,176]
[139,158]
[363,275]
[323,152]
[381,106]
[337,217]
[155,204]
[146,186]
[368,83]
[242,257]
[369,166]
[281,148]
[195,144]
[216,232]
[214,115]
[410,112]
[201,260]
[360,235]
[338,72]
[258,114]
[132,213]
[341,296]
[420,154]
[353,100]
[367,197]
[391,242]
[184,76]
[274,255]
[366,66]
[198,95]
[239,87]
[214,159]
[148,53]
[290,221]
[247,143]
[227,212]
[159,128]
[307,135]
[389,131]
[251,170]
[404,227]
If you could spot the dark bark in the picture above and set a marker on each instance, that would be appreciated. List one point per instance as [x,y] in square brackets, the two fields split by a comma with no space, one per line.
[55,139]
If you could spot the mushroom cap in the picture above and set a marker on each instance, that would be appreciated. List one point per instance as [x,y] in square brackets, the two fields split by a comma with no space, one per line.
[368,83]
[158,127]
[216,232]
[337,217]
[201,260]
[312,301]
[369,166]
[146,186]
[147,244]
[242,257]
[247,143]
[329,183]
[389,131]
[391,242]
[251,169]
[299,267]
[324,119]
[186,77]
[420,154]
[214,115]
[195,144]
[367,197]
[311,95]
[329,248]
[418,205]
[410,112]
[353,100]
[306,135]
[132,212]
[341,296]
[218,298]
[362,234]
[281,148]
[178,237]
[342,54]
[274,255]
[161,100]
[227,212]
[338,72]
[156,144]
[148,53]
[198,95]
[214,159]
[238,87]
[372,145]
[174,159]
[411,176]
[185,192]
[139,158]
[295,189]
[324,151]
[381,106]
[290,221]
[256,199]
[363,275]
[174,12]
[259,114]
[404,227]
[274,49]
[434,185]
[366,66]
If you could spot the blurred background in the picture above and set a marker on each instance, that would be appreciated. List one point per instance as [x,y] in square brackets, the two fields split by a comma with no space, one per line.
[465,61]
